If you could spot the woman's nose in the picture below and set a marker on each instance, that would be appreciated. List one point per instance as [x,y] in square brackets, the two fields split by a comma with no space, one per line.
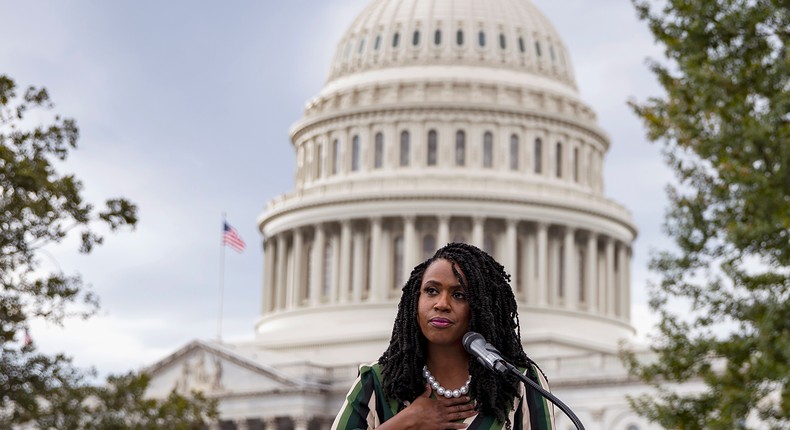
[442,301]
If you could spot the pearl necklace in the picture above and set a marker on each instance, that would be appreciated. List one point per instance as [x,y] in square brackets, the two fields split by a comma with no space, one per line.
[444,391]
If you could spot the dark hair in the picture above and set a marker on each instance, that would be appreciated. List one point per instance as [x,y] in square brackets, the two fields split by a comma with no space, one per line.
[493,314]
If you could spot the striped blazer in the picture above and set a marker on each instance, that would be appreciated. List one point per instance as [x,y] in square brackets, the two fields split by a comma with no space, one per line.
[366,407]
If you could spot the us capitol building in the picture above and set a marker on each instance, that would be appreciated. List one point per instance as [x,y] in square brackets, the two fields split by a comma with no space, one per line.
[441,120]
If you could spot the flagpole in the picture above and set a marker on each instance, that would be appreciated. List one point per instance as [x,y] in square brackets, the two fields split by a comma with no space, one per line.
[221,279]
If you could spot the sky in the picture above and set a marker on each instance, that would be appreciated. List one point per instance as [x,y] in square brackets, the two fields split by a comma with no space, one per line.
[184,108]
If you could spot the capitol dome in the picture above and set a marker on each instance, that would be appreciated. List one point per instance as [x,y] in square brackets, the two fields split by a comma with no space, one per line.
[445,120]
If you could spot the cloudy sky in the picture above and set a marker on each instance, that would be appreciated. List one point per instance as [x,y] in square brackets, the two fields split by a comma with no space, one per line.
[184,107]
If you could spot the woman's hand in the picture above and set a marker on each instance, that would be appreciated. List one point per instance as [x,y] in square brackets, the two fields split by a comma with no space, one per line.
[425,413]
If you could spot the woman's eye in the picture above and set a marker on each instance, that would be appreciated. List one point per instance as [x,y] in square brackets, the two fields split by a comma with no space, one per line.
[430,290]
[459,295]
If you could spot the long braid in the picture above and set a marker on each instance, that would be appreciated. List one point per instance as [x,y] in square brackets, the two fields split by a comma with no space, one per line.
[493,314]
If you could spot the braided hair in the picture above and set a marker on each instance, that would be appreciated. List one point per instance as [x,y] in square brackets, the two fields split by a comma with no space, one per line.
[493,314]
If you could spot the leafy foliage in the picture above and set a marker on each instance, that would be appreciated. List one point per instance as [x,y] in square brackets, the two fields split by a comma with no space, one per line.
[725,127]
[41,206]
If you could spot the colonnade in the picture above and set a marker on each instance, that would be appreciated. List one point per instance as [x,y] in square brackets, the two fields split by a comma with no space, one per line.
[368,259]
[279,423]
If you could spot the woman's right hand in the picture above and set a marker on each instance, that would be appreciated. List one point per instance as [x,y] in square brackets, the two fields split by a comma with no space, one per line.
[425,413]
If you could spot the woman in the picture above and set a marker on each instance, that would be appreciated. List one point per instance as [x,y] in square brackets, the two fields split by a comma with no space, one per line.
[425,379]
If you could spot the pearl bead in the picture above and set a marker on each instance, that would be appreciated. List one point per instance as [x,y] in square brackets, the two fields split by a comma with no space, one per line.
[463,390]
[431,379]
[440,391]
[456,393]
[448,394]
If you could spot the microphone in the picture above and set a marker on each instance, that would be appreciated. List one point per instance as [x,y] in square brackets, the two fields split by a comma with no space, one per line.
[476,345]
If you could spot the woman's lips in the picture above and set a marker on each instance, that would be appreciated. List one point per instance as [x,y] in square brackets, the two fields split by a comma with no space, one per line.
[440,322]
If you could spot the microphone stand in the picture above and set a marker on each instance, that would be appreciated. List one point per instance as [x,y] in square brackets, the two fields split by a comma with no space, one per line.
[563,407]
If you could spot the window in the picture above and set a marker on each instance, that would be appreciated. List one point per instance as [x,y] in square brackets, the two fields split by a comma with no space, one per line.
[404,148]
[398,262]
[576,164]
[502,41]
[481,38]
[488,149]
[395,40]
[428,246]
[437,37]
[361,45]
[538,156]
[415,38]
[559,160]
[328,270]
[459,37]
[355,154]
[514,152]
[521,46]
[377,43]
[432,147]
[551,52]
[335,157]
[378,151]
[488,245]
[460,148]
[537,48]
[319,161]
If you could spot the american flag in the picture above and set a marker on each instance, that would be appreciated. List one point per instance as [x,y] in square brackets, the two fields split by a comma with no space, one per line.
[231,238]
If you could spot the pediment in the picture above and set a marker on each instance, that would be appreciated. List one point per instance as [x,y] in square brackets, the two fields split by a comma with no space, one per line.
[215,371]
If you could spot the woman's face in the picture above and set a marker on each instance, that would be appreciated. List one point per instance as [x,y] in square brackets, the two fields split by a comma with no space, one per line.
[442,309]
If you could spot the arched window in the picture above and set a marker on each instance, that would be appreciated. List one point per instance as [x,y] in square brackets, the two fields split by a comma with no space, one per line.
[415,38]
[502,41]
[378,151]
[335,156]
[398,262]
[428,246]
[521,46]
[558,158]
[537,48]
[437,37]
[576,164]
[481,38]
[460,148]
[355,154]
[538,156]
[514,150]
[488,149]
[633,427]
[395,40]
[459,37]
[551,53]
[404,148]
[361,45]
[377,43]
[432,147]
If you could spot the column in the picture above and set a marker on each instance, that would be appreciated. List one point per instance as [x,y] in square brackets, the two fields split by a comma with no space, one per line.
[297,274]
[627,290]
[270,424]
[300,423]
[554,270]
[282,271]
[268,278]
[610,279]
[542,250]
[410,257]
[571,266]
[622,283]
[531,273]
[317,271]
[377,286]
[358,274]
[477,230]
[591,276]
[345,262]
[242,424]
[334,280]
[443,235]
[511,252]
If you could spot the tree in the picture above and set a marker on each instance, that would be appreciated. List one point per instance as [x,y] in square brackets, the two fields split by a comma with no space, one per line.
[724,123]
[40,206]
